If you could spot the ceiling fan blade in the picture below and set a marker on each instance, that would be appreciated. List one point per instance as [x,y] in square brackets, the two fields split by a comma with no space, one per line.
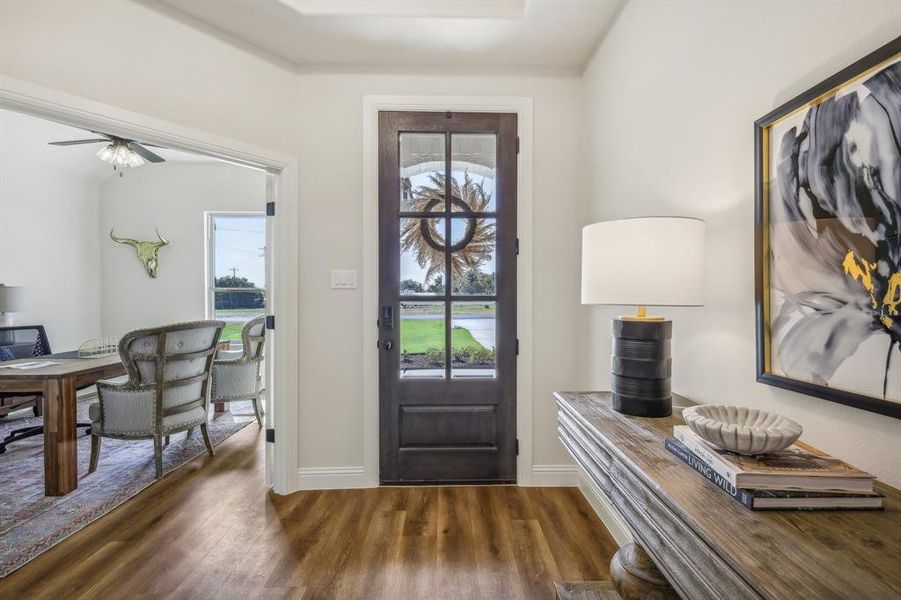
[76,142]
[145,153]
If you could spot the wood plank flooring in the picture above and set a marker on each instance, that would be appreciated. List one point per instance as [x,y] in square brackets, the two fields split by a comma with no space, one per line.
[211,530]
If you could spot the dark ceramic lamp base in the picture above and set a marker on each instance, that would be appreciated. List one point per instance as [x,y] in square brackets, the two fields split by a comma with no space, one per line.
[641,368]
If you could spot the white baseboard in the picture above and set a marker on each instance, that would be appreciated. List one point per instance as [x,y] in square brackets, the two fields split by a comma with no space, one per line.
[331,478]
[605,512]
[554,476]
[338,478]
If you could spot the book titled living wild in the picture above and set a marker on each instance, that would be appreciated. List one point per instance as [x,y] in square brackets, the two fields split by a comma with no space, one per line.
[792,468]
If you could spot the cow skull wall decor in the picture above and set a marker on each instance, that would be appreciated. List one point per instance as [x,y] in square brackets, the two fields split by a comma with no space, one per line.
[148,252]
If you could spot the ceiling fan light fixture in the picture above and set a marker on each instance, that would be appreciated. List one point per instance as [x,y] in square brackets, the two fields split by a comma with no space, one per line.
[120,156]
[106,153]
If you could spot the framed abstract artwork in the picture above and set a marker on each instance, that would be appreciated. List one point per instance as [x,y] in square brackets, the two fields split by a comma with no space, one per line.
[828,238]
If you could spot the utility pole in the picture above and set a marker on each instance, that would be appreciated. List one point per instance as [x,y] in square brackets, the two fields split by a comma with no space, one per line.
[234,271]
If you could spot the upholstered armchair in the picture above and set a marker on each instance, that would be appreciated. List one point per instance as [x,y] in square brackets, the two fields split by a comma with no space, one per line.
[238,377]
[166,392]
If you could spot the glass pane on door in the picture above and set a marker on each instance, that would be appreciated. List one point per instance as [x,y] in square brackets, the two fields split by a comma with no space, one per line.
[474,340]
[473,245]
[422,257]
[474,171]
[422,337]
[422,172]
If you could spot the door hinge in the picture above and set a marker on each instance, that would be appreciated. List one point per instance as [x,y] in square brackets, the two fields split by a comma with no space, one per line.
[516,446]
[517,144]
[270,209]
[270,321]
[270,436]
[516,248]
[517,346]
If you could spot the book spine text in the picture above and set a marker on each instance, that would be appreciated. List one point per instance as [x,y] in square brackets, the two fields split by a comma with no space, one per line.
[703,452]
[709,473]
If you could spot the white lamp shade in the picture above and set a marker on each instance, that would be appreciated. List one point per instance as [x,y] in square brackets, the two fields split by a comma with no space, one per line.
[11,299]
[650,261]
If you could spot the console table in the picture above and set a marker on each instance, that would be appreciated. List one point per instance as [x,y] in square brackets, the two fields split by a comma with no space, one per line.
[706,544]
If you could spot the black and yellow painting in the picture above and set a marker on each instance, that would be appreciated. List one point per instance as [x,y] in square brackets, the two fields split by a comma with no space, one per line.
[829,238]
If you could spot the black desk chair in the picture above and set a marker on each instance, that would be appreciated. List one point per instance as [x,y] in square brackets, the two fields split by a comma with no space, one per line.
[26,341]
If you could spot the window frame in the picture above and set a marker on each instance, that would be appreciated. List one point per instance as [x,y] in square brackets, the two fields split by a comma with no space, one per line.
[209,266]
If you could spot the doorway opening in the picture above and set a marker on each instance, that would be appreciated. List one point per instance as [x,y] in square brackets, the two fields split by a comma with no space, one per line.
[93,251]
[279,172]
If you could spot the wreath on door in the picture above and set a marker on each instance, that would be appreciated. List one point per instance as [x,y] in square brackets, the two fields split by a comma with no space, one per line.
[422,236]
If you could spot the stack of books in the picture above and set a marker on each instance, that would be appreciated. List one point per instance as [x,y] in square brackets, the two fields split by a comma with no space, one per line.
[791,479]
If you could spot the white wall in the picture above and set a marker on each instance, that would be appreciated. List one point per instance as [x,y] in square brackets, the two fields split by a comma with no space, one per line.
[57,206]
[48,231]
[173,72]
[172,197]
[166,69]
[671,97]
[330,109]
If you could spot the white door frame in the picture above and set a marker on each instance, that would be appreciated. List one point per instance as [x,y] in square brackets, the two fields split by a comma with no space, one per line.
[25,97]
[522,107]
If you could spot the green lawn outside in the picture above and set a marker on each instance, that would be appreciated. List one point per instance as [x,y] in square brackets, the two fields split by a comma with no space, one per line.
[232,331]
[417,336]
[409,308]
[239,312]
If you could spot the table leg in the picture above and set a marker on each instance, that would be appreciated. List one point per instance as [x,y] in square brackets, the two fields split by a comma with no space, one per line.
[60,445]
[636,577]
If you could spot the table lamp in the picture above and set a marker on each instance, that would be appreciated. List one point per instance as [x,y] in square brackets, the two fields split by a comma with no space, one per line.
[10,302]
[641,262]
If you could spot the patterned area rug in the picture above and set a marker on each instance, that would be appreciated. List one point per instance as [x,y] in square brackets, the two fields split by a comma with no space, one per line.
[31,523]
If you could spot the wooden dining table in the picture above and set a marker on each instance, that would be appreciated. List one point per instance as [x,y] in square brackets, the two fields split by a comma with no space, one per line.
[58,384]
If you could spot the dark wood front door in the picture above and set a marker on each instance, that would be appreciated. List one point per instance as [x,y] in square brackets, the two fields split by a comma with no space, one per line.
[447,297]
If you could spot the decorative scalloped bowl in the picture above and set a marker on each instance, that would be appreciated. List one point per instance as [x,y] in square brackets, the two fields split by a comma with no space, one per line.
[742,430]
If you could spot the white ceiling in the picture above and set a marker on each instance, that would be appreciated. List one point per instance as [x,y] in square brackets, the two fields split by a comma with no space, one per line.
[29,138]
[463,9]
[521,36]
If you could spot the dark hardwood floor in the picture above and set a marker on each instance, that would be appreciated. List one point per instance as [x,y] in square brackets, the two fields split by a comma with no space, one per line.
[211,530]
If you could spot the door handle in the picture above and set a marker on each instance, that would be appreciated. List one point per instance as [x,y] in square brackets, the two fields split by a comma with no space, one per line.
[387,316]
[389,345]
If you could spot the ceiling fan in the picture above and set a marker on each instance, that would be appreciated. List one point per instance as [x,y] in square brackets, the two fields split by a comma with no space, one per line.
[118,151]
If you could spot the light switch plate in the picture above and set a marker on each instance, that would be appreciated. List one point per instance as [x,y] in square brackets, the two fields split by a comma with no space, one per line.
[343,279]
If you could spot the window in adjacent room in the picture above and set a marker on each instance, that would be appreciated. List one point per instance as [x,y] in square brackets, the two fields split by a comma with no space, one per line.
[236,269]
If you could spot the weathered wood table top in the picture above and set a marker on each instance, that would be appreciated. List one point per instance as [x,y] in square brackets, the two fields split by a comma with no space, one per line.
[785,554]
[66,366]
